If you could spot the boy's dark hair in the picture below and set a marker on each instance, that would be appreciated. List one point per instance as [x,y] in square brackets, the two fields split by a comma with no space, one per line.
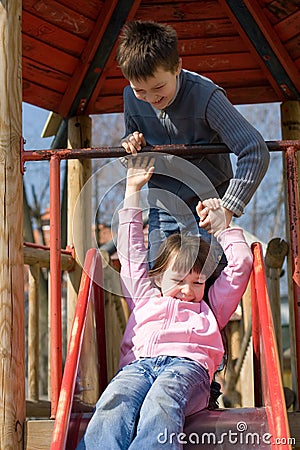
[146,46]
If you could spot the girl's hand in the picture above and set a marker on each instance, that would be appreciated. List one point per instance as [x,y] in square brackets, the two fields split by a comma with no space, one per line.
[133,142]
[139,171]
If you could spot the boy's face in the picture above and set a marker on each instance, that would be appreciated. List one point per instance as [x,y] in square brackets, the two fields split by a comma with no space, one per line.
[158,90]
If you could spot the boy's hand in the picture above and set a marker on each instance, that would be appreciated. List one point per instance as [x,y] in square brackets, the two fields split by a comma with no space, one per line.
[139,171]
[133,142]
[213,217]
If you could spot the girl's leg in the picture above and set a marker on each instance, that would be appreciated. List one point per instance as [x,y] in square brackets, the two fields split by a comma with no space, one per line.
[113,424]
[163,411]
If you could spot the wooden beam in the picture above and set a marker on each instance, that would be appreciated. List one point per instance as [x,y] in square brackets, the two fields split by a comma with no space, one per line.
[89,68]
[79,199]
[276,64]
[42,257]
[12,373]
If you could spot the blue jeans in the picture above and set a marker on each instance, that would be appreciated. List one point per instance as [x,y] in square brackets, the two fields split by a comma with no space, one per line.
[145,403]
[162,225]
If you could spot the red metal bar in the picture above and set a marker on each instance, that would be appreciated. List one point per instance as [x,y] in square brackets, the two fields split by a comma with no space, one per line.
[294,224]
[258,400]
[271,377]
[100,326]
[116,152]
[90,289]
[55,284]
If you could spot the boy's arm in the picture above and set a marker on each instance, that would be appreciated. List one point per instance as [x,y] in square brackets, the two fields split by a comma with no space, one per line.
[134,140]
[246,143]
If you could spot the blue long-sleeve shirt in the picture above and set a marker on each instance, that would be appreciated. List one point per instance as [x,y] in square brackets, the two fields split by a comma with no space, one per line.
[199,114]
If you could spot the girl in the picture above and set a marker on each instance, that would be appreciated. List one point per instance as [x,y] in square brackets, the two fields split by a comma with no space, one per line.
[172,344]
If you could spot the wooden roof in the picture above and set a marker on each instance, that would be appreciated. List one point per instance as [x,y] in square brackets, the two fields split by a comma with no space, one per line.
[250,47]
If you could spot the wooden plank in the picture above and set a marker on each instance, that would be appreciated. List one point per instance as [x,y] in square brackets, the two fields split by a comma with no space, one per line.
[38,434]
[177,11]
[289,27]
[41,96]
[293,47]
[90,8]
[53,12]
[47,76]
[49,56]
[204,28]
[220,62]
[39,409]
[42,257]
[51,34]
[210,46]
[278,10]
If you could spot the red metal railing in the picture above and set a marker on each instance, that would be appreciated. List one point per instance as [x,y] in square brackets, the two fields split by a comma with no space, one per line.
[90,294]
[267,375]
[55,283]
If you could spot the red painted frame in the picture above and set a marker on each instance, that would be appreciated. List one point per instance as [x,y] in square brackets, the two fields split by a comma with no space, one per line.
[90,291]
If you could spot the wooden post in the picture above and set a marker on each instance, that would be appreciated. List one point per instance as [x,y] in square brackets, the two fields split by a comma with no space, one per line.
[33,332]
[290,126]
[12,373]
[79,171]
[79,233]
[276,252]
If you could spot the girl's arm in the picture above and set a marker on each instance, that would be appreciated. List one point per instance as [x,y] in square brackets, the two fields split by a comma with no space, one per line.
[139,172]
[131,248]
[228,289]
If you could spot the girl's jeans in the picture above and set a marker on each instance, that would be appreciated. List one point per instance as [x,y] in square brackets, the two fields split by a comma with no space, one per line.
[144,406]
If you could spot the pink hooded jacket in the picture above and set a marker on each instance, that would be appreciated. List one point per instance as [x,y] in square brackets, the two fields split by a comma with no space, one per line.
[161,325]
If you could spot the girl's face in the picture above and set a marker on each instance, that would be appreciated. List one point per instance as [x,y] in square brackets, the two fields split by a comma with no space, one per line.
[186,287]
[158,90]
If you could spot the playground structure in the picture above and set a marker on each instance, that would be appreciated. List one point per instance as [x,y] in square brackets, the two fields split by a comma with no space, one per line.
[248,47]
[71,410]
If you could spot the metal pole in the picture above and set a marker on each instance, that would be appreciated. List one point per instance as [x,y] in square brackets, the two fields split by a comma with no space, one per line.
[55,284]
[294,223]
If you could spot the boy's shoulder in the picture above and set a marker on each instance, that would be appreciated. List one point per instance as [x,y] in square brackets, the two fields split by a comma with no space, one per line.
[196,79]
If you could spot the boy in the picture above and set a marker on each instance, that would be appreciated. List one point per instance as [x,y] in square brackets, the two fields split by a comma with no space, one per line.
[165,104]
